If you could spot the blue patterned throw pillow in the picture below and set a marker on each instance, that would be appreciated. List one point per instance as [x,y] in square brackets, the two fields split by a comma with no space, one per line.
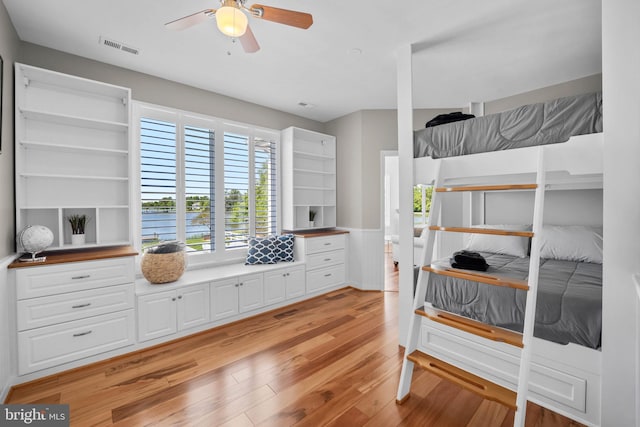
[284,247]
[262,250]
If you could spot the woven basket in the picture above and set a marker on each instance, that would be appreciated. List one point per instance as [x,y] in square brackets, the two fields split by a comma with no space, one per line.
[163,268]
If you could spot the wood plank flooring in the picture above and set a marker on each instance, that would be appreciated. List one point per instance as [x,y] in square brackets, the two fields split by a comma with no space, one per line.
[330,361]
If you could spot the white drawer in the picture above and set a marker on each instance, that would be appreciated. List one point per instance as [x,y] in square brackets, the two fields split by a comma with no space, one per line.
[325,259]
[500,362]
[45,311]
[325,243]
[54,345]
[76,276]
[325,278]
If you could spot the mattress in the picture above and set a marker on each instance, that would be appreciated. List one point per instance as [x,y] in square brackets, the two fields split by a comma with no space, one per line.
[536,124]
[569,306]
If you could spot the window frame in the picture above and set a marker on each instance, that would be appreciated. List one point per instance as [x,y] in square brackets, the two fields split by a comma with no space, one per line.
[182,118]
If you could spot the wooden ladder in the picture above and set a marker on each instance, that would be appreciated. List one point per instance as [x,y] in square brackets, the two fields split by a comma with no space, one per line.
[515,400]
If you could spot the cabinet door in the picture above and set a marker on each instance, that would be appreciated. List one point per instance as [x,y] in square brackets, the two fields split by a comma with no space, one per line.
[193,306]
[295,283]
[274,286]
[156,315]
[224,298]
[251,292]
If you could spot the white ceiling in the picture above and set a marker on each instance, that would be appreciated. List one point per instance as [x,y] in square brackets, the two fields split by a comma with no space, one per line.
[465,50]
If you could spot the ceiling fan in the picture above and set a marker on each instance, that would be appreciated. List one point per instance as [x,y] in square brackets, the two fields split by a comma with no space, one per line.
[232,21]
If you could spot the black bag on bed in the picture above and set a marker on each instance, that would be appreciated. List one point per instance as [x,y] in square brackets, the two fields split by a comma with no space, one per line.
[468,260]
[442,119]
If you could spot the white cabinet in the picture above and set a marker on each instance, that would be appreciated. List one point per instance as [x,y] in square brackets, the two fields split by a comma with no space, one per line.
[167,312]
[275,287]
[324,254]
[224,298]
[157,315]
[72,156]
[73,310]
[281,285]
[308,179]
[251,292]
[236,295]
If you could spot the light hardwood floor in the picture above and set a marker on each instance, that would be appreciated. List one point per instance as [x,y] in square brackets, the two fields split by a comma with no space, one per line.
[333,360]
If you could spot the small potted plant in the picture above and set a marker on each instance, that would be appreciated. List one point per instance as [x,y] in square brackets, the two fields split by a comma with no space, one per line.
[312,216]
[78,223]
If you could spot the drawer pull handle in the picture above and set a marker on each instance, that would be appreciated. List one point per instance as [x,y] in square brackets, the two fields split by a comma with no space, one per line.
[84,276]
[327,259]
[179,296]
[327,275]
[82,333]
[87,304]
[327,244]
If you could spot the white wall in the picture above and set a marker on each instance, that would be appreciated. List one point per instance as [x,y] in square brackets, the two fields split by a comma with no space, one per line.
[621,87]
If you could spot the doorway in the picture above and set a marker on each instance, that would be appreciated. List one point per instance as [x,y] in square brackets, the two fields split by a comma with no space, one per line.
[389,174]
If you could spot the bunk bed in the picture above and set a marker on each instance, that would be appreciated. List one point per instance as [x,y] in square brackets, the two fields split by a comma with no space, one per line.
[490,150]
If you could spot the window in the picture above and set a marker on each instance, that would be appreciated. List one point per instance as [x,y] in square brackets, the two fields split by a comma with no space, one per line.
[421,203]
[189,164]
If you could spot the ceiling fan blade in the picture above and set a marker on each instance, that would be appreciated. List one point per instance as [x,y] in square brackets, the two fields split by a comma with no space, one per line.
[249,42]
[283,16]
[191,20]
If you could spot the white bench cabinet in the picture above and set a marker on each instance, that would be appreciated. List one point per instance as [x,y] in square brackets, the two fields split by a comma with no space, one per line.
[167,312]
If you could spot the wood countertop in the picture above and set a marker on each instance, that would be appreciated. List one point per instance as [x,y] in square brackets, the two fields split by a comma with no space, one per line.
[319,233]
[59,257]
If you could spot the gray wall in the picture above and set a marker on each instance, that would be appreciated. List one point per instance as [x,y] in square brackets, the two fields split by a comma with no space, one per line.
[147,88]
[362,135]
[574,87]
[348,133]
[9,44]
[8,50]
[561,207]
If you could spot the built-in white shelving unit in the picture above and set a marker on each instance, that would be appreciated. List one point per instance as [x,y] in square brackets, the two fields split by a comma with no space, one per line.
[309,179]
[72,155]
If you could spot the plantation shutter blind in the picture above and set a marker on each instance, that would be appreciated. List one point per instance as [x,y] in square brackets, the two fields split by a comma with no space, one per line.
[199,176]
[158,180]
[265,175]
[236,189]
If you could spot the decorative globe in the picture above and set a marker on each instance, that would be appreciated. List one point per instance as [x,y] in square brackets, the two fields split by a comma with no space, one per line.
[35,238]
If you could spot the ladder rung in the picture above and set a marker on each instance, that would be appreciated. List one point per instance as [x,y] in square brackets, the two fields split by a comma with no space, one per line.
[467,380]
[488,188]
[471,326]
[475,230]
[478,277]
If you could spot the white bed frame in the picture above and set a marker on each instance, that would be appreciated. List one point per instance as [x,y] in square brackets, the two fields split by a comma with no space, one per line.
[564,378]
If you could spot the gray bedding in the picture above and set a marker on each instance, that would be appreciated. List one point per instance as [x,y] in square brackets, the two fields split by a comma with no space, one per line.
[569,307]
[536,124]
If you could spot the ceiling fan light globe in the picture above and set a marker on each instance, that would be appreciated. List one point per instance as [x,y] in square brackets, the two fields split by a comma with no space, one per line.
[231,21]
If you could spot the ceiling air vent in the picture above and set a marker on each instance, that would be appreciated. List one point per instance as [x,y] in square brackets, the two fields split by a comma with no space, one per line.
[117,45]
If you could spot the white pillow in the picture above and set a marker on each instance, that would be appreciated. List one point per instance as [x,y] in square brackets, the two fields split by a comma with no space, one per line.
[571,243]
[508,245]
